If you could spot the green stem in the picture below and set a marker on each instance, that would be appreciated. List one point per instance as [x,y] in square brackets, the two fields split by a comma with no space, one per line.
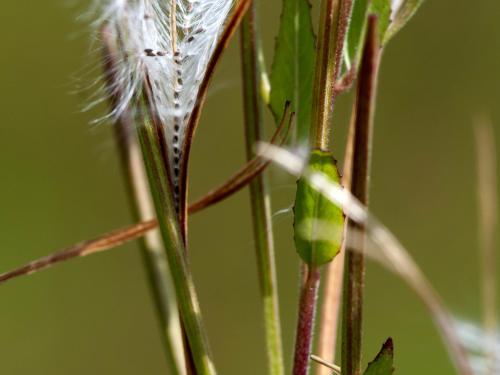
[174,247]
[354,260]
[259,193]
[155,262]
[334,20]
[153,254]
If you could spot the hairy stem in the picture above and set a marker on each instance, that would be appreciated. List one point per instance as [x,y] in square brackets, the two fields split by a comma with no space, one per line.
[354,260]
[334,20]
[305,325]
[259,193]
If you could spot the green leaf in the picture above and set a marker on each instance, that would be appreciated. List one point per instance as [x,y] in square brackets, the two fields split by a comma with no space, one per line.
[382,9]
[387,28]
[406,11]
[293,66]
[356,32]
[357,27]
[318,223]
[383,362]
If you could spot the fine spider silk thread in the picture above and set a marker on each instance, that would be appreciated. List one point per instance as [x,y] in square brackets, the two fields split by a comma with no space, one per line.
[169,43]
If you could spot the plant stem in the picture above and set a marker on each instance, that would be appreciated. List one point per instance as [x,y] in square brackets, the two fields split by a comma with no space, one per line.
[486,166]
[153,254]
[174,247]
[132,232]
[332,291]
[160,281]
[334,20]
[305,327]
[259,192]
[354,260]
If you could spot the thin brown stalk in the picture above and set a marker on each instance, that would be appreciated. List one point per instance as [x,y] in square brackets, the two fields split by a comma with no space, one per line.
[354,261]
[486,166]
[305,325]
[84,248]
[123,235]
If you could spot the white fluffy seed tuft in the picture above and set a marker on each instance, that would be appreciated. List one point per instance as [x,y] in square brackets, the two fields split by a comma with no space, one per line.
[168,44]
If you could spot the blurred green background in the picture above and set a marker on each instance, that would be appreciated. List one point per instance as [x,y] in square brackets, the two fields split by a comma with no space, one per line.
[61,183]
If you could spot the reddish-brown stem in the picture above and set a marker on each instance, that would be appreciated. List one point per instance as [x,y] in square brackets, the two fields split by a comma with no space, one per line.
[135,231]
[354,260]
[113,239]
[305,325]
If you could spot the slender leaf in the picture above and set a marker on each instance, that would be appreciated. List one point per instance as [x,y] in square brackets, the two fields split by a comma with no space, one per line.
[356,32]
[357,28]
[382,8]
[406,11]
[383,362]
[293,66]
[387,28]
[318,222]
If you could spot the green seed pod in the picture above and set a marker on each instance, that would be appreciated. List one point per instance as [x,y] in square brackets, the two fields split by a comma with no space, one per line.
[318,223]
